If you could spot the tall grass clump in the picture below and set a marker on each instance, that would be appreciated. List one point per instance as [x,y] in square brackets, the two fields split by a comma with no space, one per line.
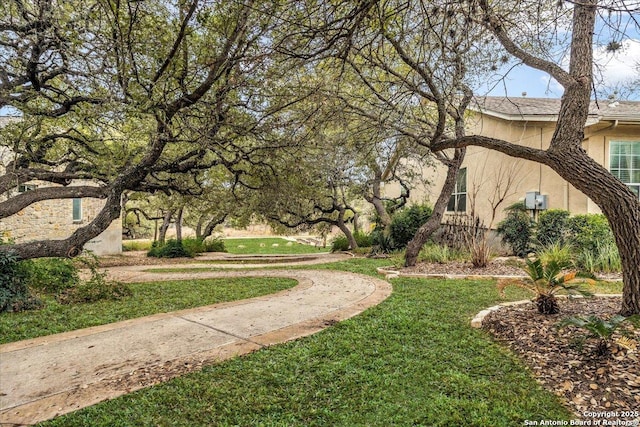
[605,259]
[441,254]
[136,245]
[557,252]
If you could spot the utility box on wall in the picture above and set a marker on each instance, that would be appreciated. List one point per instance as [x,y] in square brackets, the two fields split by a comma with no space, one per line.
[535,201]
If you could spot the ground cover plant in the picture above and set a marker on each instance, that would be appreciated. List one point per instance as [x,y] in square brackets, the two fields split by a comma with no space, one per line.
[412,360]
[146,299]
[268,246]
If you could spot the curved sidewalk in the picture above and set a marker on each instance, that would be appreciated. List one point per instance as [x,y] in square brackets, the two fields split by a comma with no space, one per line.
[56,374]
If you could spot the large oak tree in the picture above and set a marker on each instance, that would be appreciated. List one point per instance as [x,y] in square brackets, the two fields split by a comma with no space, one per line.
[127,95]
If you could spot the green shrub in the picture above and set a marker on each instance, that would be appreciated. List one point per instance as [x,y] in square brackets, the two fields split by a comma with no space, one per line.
[406,222]
[193,246]
[603,329]
[516,229]
[52,275]
[586,232]
[14,292]
[97,288]
[339,243]
[363,240]
[214,244]
[171,249]
[381,241]
[552,227]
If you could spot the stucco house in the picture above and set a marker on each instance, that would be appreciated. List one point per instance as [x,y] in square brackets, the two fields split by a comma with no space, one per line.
[55,219]
[611,137]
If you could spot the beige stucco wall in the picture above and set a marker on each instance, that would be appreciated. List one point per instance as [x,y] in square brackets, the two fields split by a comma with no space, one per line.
[53,219]
[489,170]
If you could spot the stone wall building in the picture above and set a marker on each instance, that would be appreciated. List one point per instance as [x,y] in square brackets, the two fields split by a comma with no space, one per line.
[56,219]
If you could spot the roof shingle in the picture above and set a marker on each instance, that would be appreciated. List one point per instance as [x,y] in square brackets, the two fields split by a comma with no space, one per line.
[514,106]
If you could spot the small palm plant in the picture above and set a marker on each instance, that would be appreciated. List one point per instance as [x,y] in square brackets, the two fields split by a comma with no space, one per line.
[545,280]
[603,330]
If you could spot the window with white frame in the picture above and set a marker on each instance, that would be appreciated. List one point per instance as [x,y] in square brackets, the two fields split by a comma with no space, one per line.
[77,210]
[458,200]
[624,163]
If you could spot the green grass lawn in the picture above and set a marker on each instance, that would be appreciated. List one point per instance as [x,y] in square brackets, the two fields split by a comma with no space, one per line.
[260,245]
[148,298]
[264,246]
[412,360]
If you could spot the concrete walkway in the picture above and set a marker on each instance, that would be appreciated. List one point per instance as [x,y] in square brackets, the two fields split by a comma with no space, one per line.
[48,376]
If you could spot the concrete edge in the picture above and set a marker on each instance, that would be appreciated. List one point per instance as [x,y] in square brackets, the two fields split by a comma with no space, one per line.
[476,322]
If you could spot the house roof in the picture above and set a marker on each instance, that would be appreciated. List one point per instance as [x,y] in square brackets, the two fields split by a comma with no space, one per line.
[546,109]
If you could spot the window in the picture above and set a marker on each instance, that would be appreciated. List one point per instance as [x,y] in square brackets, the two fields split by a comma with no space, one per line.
[77,210]
[26,187]
[458,200]
[624,163]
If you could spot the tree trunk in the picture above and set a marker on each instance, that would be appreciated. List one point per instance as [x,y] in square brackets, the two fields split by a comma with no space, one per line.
[349,235]
[179,225]
[211,225]
[434,221]
[166,222]
[343,227]
[199,228]
[376,200]
[621,207]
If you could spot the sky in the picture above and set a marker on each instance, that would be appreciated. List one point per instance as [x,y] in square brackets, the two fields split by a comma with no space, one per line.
[613,69]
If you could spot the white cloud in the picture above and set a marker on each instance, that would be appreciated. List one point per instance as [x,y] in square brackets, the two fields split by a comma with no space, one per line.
[612,68]
[551,85]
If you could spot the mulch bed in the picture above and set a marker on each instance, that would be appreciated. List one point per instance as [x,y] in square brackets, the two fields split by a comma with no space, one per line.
[565,363]
[498,267]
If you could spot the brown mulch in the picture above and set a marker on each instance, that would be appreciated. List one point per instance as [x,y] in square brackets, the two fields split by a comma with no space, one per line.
[565,362]
[504,266]
[497,267]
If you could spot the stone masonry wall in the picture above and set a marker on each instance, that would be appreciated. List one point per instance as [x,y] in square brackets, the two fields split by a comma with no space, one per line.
[53,219]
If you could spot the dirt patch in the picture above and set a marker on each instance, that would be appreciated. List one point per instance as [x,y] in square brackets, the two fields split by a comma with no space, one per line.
[133,258]
[565,363]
